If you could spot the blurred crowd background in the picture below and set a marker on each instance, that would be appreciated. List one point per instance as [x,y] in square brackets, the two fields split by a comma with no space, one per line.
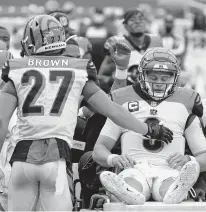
[180,23]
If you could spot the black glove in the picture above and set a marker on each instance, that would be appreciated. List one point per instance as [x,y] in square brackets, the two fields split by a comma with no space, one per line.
[159,132]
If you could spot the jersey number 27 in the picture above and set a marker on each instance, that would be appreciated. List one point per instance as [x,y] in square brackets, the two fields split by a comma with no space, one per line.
[29,108]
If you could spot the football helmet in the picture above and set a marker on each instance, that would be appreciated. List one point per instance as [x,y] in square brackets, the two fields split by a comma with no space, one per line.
[43,33]
[159,60]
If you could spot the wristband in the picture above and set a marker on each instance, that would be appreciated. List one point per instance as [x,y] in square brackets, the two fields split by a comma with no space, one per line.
[121,74]
[110,160]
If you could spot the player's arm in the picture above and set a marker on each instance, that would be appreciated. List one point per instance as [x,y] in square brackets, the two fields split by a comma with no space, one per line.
[105,142]
[107,67]
[196,140]
[8,104]
[121,56]
[120,79]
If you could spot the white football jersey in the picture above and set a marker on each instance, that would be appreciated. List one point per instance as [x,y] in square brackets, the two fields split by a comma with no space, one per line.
[173,112]
[48,90]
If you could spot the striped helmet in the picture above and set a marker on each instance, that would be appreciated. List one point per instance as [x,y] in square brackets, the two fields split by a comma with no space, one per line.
[43,33]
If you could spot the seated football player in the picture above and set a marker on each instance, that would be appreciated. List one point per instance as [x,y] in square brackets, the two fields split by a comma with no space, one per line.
[45,88]
[151,167]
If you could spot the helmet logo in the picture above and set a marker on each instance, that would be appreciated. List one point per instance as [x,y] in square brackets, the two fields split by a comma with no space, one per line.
[160,66]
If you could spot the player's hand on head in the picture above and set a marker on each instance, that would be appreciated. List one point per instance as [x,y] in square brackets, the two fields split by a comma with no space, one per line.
[177,160]
[120,54]
[160,132]
[123,162]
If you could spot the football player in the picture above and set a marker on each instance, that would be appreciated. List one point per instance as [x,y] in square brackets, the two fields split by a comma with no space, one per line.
[138,41]
[45,87]
[152,167]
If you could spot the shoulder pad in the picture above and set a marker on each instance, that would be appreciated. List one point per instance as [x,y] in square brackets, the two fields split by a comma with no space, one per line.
[122,95]
[191,99]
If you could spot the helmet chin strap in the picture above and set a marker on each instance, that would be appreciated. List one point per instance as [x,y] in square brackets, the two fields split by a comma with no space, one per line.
[137,34]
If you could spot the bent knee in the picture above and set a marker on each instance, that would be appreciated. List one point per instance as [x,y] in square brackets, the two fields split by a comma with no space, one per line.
[136,179]
[160,187]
